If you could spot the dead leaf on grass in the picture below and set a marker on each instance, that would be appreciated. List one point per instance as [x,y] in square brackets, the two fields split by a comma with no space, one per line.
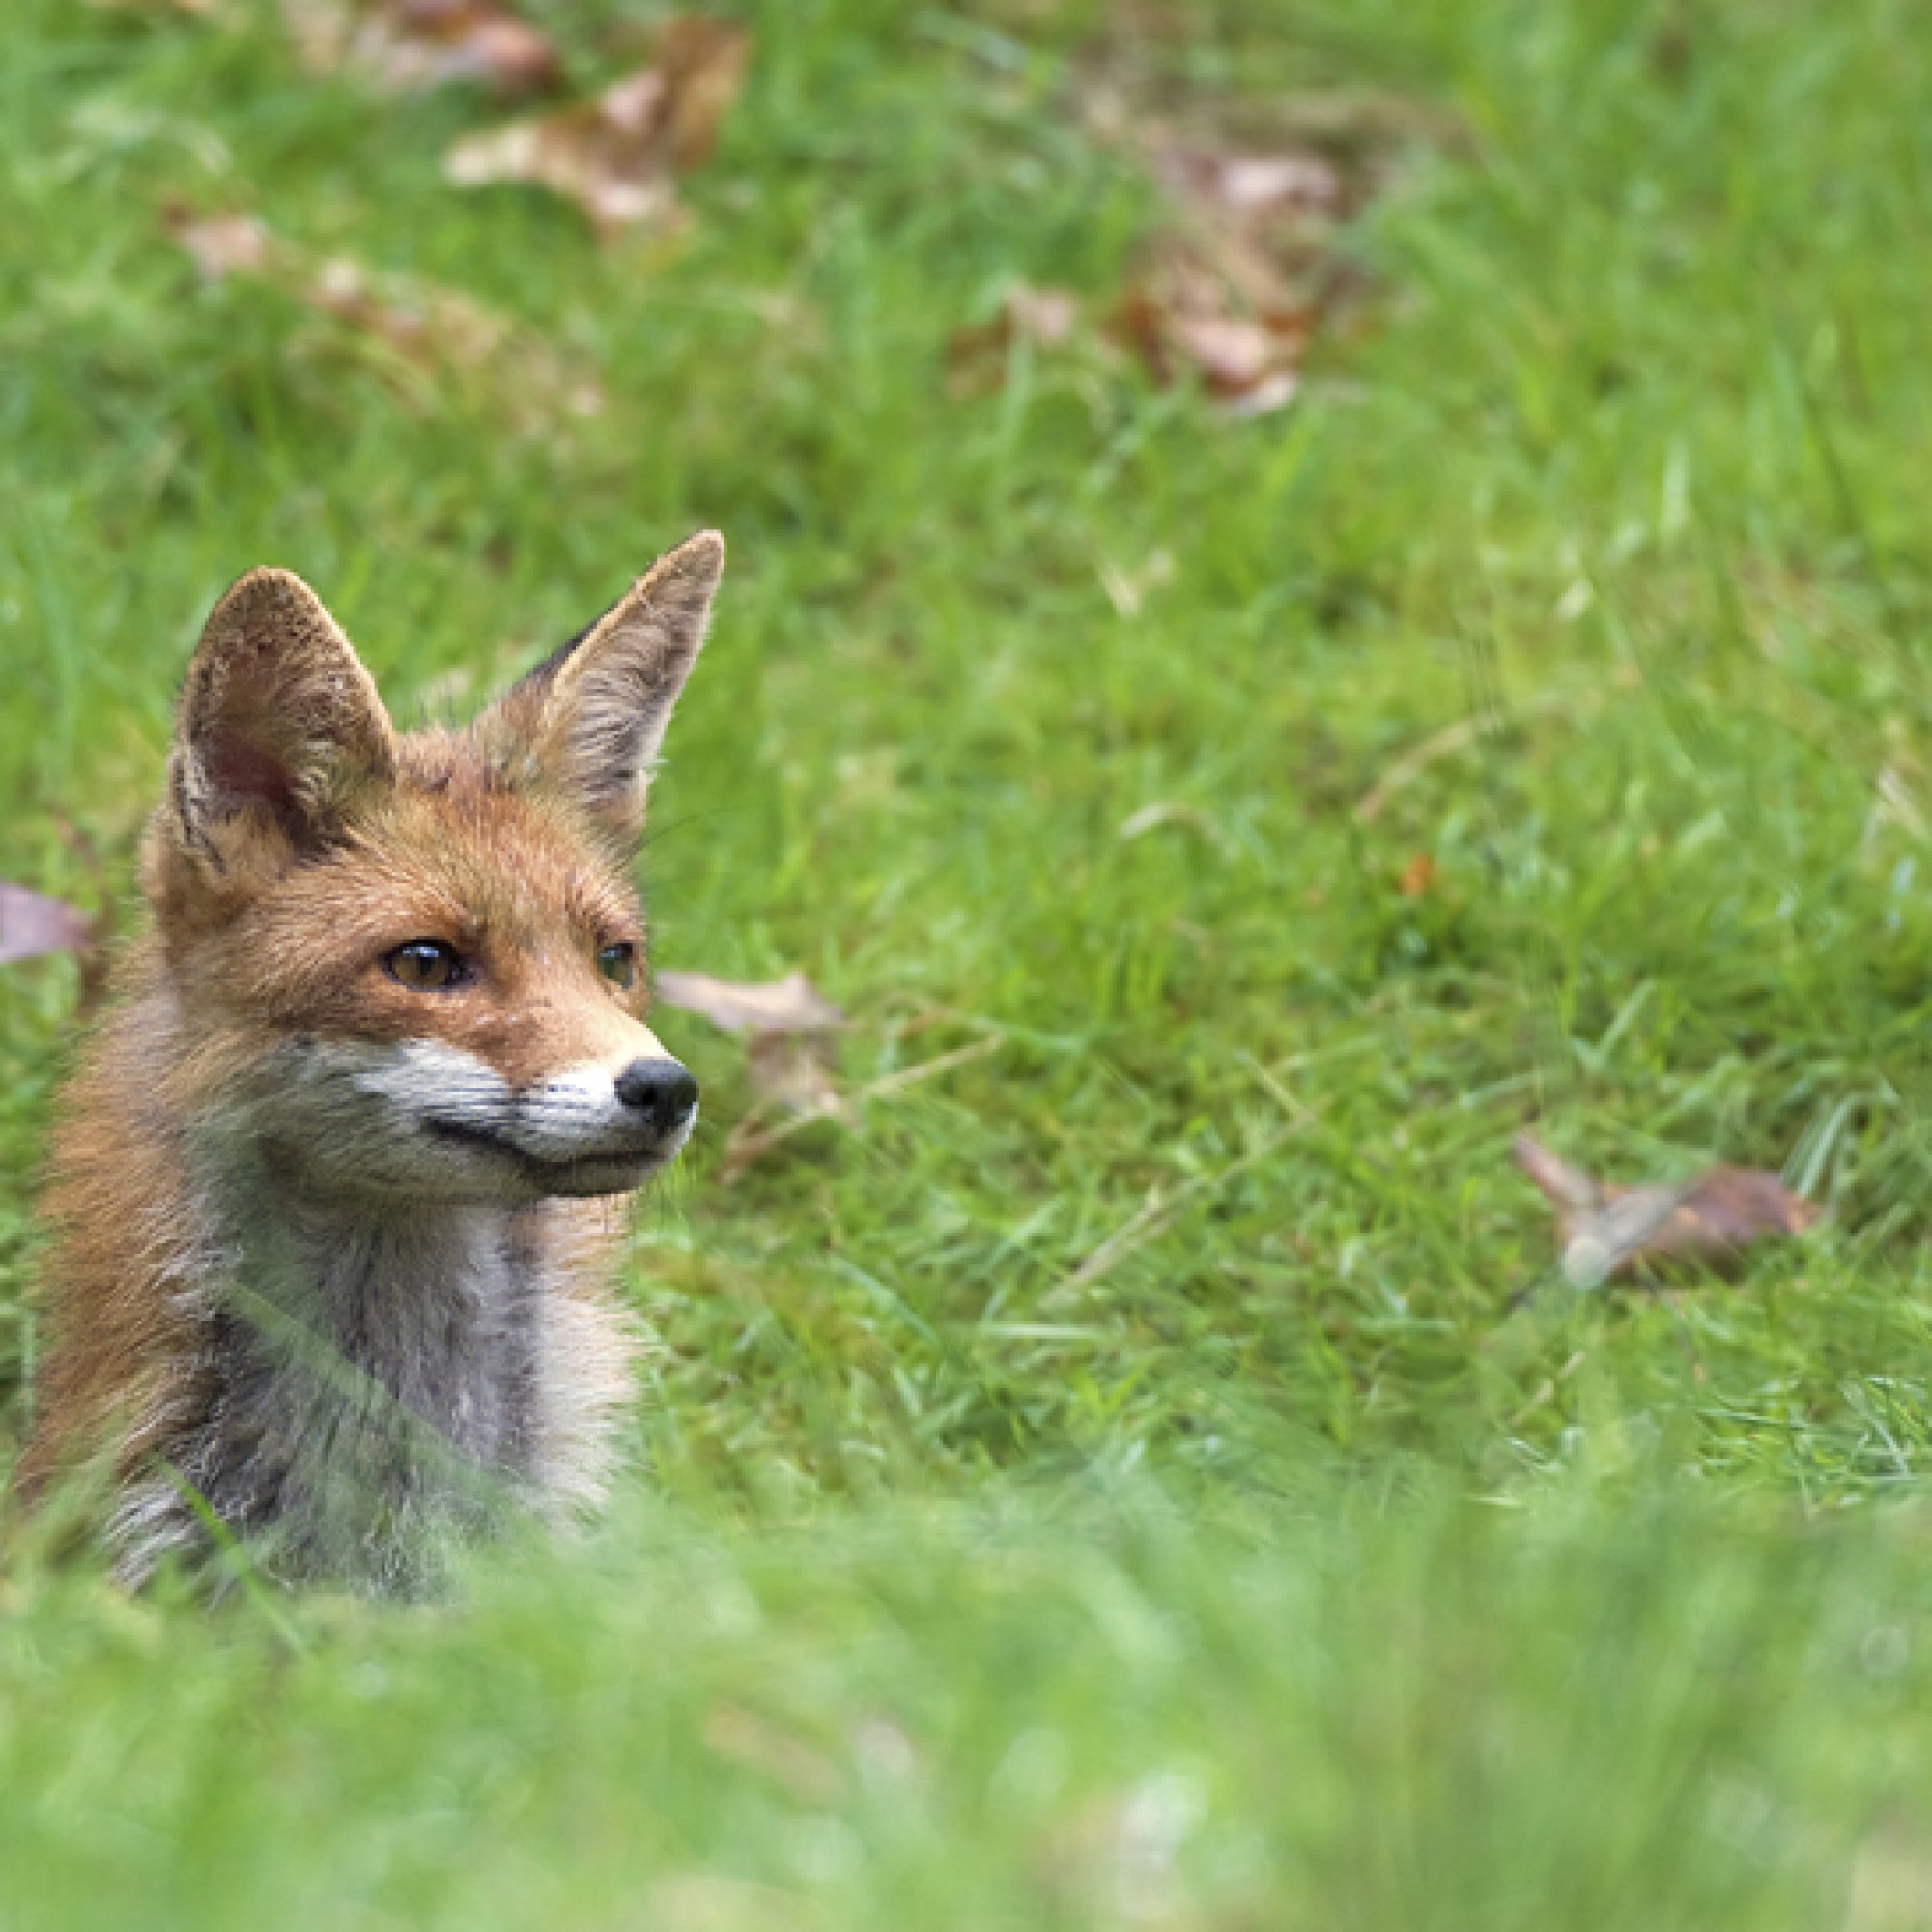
[33,925]
[410,47]
[791,1005]
[791,1023]
[410,330]
[1614,1234]
[1245,268]
[223,244]
[1179,322]
[793,1071]
[1043,317]
[617,156]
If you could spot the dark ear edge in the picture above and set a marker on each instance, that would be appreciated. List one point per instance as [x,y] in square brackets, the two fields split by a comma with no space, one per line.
[276,716]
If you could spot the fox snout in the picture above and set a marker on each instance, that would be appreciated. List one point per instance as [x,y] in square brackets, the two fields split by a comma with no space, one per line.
[427,1120]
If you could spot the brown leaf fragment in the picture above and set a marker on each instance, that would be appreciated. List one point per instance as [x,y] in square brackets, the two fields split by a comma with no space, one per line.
[1251,186]
[1220,318]
[411,329]
[792,1071]
[617,155]
[33,925]
[791,1005]
[1245,263]
[223,244]
[1041,318]
[1609,1232]
[410,47]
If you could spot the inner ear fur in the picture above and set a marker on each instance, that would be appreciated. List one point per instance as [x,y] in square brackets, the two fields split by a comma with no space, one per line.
[278,723]
[590,720]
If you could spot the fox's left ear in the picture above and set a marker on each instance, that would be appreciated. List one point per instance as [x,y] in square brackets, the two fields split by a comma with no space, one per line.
[278,723]
[591,718]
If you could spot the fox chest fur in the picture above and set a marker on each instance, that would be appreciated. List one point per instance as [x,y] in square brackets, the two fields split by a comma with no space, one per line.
[338,1179]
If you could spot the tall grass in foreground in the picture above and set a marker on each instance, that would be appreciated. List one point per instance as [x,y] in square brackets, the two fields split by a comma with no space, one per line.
[1100,1708]
[1413,1588]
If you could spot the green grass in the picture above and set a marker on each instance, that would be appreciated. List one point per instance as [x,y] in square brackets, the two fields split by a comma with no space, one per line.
[1324,1560]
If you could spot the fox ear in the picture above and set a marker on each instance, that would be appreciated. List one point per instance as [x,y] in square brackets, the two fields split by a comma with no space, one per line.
[590,719]
[278,722]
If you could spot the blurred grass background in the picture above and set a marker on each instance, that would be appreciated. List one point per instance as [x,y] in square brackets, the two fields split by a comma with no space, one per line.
[1323,1559]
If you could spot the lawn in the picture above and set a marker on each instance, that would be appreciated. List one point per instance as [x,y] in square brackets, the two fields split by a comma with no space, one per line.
[1148,1470]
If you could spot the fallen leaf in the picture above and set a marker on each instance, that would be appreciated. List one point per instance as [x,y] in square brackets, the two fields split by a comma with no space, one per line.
[791,1005]
[750,1140]
[1243,268]
[1611,1234]
[223,244]
[1250,185]
[417,329]
[33,925]
[409,47]
[976,356]
[616,156]
[794,1071]
[1189,316]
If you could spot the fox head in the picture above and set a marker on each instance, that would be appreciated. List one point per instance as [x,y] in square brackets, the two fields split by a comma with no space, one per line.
[411,966]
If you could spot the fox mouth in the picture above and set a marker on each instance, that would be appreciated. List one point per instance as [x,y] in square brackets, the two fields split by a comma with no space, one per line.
[617,1171]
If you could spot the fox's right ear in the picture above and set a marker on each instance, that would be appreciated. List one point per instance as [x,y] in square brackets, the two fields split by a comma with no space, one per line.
[278,723]
[588,722]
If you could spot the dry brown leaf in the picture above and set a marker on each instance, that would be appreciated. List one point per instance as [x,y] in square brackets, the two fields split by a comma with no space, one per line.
[33,925]
[793,1071]
[1222,320]
[223,244]
[616,156]
[414,326]
[750,1140]
[1613,1234]
[1041,318]
[410,47]
[1253,187]
[1243,267]
[791,1005]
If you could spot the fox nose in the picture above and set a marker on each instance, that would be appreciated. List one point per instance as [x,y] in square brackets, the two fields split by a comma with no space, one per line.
[661,1091]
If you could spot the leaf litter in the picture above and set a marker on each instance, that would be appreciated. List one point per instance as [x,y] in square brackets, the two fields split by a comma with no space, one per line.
[411,46]
[1244,267]
[1609,1232]
[618,155]
[33,926]
[411,331]
[791,1029]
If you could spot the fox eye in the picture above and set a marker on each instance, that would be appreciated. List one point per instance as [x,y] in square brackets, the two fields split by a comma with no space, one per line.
[425,966]
[619,963]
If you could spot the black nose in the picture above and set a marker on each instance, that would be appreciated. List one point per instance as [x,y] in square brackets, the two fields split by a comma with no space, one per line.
[661,1090]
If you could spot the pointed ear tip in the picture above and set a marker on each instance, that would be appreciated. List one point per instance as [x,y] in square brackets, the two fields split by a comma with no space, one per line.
[267,578]
[704,551]
[264,587]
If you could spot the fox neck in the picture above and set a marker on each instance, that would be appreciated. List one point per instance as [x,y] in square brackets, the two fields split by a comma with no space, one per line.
[375,1368]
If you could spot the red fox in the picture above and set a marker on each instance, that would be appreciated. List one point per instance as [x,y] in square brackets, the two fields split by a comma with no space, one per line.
[338,1173]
